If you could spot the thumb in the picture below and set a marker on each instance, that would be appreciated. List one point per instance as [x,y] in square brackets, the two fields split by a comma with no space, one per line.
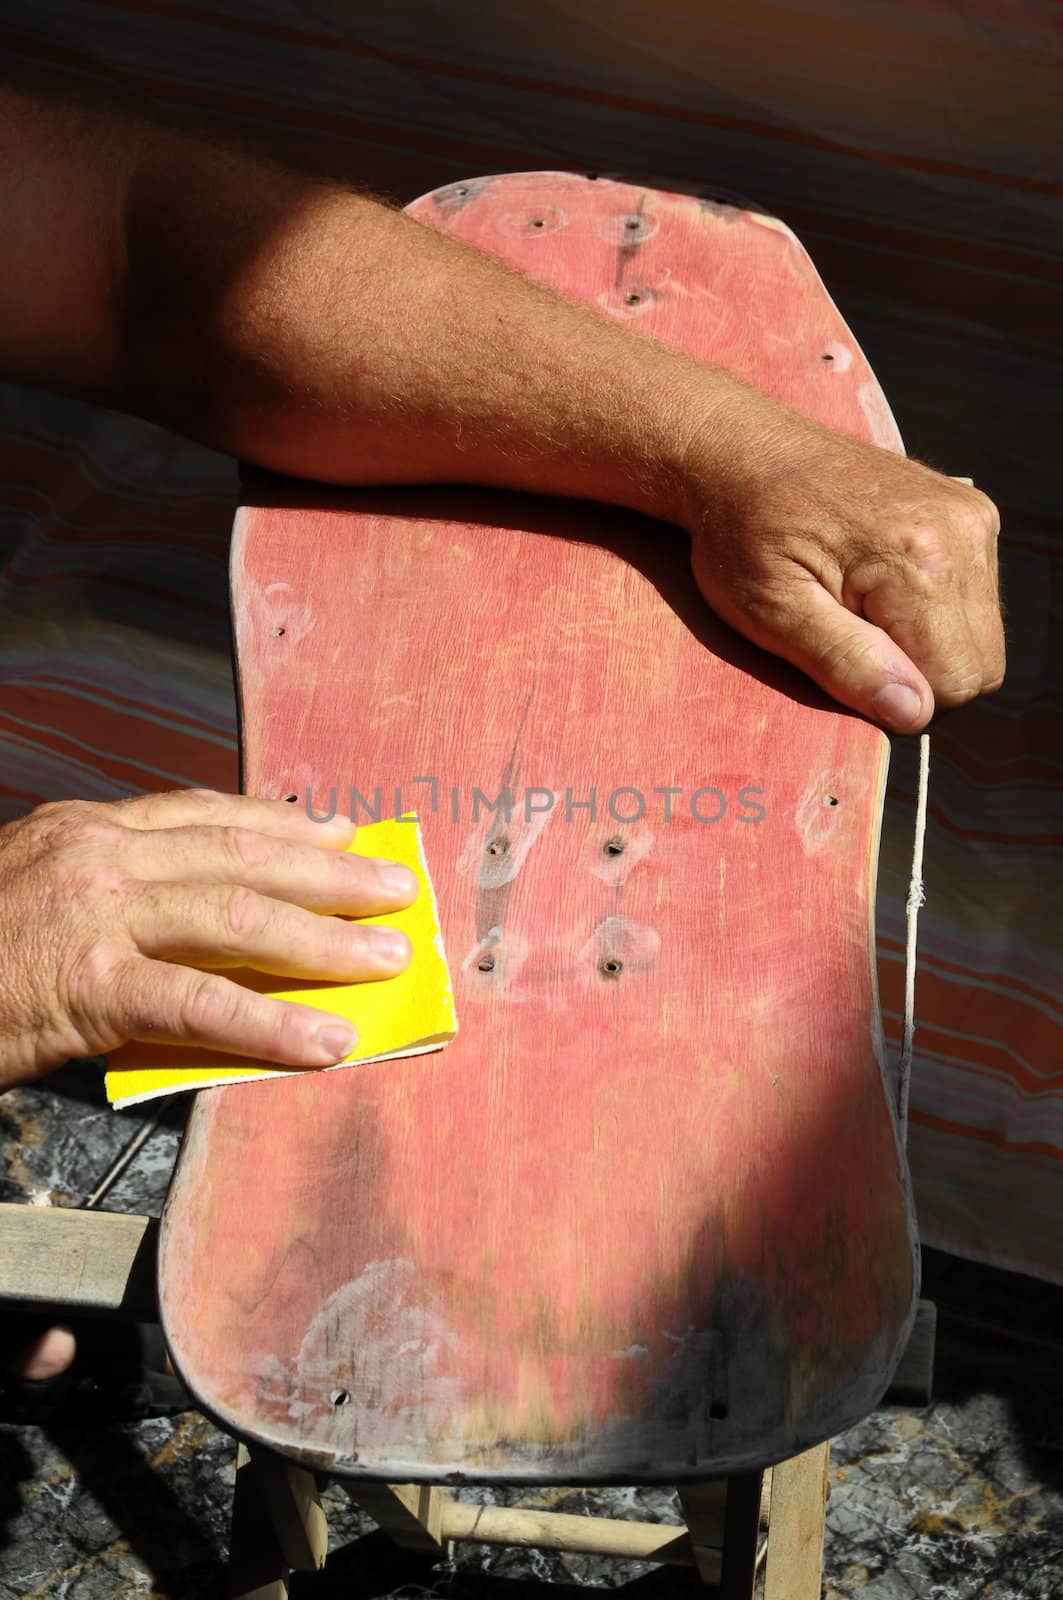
[854,661]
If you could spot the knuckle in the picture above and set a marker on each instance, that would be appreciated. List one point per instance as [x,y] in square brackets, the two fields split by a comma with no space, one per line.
[91,883]
[94,967]
[341,940]
[774,600]
[67,823]
[953,699]
[926,548]
[847,654]
[208,799]
[209,1006]
[958,688]
[157,809]
[88,985]
[246,915]
[985,516]
[288,1029]
[247,849]
[975,524]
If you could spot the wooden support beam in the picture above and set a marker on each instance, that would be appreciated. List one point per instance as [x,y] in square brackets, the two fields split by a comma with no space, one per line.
[741,1536]
[55,1258]
[257,1569]
[704,1507]
[293,1501]
[409,1513]
[557,1530]
[794,1565]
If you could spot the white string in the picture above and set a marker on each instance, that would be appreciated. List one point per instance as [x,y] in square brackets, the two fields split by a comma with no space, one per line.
[916,896]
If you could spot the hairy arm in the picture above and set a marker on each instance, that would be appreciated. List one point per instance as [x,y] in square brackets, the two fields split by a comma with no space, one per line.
[318,332]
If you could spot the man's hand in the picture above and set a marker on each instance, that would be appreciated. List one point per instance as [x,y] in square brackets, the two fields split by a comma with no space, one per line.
[870,572]
[319,333]
[109,911]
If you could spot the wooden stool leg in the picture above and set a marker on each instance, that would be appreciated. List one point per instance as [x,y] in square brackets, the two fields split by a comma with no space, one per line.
[799,1489]
[291,1496]
[741,1536]
[703,1506]
[409,1513]
[257,1568]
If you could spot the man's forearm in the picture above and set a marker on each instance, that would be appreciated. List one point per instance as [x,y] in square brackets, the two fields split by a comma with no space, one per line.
[315,331]
[319,332]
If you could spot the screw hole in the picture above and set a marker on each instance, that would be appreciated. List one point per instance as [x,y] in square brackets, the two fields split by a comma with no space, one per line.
[462,191]
[718,1411]
[536,222]
[486,964]
[614,847]
[633,299]
[498,847]
[339,1397]
[830,799]
[291,798]
[612,967]
[826,358]
[278,633]
[632,223]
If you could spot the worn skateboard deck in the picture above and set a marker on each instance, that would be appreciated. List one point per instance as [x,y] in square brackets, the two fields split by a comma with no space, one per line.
[647,1217]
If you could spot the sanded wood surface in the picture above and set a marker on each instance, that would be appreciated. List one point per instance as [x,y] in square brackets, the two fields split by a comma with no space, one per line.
[646,1218]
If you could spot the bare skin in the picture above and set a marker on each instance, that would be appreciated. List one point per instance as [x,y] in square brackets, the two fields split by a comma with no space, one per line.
[316,332]
[120,907]
[320,333]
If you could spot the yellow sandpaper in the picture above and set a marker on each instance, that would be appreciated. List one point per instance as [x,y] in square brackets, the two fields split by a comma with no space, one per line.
[402,1016]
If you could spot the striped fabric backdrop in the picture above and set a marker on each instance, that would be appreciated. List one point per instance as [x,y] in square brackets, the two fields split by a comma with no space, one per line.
[915,147]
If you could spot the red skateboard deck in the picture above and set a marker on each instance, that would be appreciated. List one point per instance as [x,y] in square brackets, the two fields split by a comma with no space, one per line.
[647,1217]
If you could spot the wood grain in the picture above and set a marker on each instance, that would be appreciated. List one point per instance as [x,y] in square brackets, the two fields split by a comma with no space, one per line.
[647,1218]
[88,1262]
[794,1566]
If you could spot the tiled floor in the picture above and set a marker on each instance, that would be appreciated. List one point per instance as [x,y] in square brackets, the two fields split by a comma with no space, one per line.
[960,1501]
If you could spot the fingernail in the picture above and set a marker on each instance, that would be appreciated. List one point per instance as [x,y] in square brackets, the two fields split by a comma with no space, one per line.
[334,1040]
[399,880]
[391,946]
[897,705]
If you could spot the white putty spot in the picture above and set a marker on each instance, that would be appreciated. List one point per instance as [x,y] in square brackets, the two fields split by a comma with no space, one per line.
[841,357]
[815,819]
[826,807]
[492,871]
[279,607]
[635,944]
[508,951]
[637,841]
[381,1339]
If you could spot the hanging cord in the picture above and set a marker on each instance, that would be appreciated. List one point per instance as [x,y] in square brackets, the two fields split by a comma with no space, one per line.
[916,896]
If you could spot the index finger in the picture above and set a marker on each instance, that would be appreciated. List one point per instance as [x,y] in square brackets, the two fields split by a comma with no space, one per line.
[280,819]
